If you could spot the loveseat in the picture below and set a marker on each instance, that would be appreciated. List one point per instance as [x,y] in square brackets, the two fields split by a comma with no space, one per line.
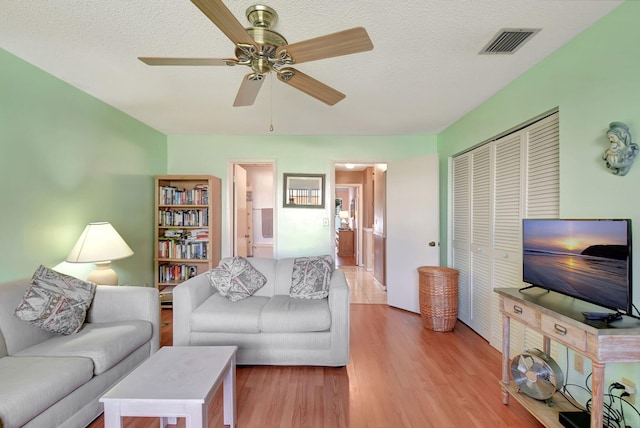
[270,327]
[52,380]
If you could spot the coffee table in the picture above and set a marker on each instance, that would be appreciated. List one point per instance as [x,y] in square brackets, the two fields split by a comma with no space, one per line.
[176,381]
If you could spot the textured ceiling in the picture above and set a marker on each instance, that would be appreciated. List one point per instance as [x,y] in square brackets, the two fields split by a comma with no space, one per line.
[423,74]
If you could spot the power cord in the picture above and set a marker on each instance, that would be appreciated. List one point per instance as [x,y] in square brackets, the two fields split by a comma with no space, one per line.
[611,416]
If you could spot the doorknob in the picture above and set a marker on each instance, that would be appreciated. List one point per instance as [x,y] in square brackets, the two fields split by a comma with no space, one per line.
[432,244]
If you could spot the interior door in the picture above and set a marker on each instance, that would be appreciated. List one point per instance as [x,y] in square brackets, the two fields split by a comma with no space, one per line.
[241,233]
[413,227]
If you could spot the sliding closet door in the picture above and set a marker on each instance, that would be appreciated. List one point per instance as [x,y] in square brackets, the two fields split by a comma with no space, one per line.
[494,187]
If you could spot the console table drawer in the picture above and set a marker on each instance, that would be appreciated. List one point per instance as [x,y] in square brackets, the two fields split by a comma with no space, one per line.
[520,312]
[563,333]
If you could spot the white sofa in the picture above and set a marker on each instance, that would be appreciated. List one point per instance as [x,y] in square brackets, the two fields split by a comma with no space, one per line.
[269,327]
[49,380]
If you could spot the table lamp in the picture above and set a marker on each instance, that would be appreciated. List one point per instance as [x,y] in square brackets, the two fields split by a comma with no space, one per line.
[100,244]
[344,215]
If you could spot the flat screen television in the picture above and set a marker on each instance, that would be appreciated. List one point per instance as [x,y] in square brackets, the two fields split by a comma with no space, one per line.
[584,258]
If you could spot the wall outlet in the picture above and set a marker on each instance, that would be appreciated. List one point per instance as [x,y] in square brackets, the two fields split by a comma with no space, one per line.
[325,221]
[578,363]
[629,388]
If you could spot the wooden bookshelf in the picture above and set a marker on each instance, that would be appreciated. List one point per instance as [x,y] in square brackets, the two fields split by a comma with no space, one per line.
[187,231]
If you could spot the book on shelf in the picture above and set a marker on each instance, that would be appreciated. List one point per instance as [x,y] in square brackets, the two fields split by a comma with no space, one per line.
[186,218]
[170,272]
[173,233]
[198,235]
[182,249]
[173,195]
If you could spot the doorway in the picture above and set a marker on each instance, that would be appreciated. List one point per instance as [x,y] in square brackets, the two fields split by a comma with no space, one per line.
[252,209]
[347,222]
[354,214]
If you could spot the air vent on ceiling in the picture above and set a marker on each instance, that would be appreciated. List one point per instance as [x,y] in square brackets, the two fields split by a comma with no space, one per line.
[509,40]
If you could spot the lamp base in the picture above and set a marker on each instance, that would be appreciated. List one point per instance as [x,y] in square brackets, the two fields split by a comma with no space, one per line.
[103,274]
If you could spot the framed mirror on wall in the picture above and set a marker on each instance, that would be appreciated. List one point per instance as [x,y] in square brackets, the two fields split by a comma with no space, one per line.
[303,190]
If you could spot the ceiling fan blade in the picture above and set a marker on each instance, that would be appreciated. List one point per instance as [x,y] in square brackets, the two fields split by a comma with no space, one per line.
[251,84]
[185,61]
[310,86]
[220,15]
[336,44]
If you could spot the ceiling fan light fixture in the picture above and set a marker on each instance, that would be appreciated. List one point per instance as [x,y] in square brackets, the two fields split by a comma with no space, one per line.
[264,50]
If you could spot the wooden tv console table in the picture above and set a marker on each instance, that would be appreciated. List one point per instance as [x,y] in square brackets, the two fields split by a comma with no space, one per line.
[560,318]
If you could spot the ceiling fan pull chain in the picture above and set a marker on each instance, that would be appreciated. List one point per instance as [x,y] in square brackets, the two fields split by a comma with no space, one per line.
[271,98]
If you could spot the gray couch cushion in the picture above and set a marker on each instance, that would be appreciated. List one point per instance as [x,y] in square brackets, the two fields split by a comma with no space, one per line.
[236,279]
[32,384]
[56,302]
[221,315]
[106,344]
[284,314]
[310,277]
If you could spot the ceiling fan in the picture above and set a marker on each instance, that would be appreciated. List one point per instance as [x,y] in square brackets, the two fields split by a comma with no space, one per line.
[264,51]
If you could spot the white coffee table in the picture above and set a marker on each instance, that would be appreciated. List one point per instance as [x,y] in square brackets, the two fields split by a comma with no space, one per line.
[176,381]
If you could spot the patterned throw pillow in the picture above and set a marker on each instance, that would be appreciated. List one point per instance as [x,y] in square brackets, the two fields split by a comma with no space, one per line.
[56,302]
[236,279]
[311,277]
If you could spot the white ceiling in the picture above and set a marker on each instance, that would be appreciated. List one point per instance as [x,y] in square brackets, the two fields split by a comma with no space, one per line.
[423,74]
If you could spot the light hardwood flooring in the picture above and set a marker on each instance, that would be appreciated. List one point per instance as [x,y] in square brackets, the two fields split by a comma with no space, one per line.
[400,375]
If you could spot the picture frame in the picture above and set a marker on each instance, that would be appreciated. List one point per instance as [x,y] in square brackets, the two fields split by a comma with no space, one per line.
[303,190]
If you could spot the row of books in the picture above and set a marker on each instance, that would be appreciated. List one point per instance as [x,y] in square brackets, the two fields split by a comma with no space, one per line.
[190,218]
[178,249]
[172,195]
[168,272]
[191,235]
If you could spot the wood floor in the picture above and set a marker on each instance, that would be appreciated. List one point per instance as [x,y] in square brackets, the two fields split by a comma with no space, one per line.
[400,375]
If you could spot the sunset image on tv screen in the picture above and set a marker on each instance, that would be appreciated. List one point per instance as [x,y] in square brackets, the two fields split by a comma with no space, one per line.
[587,259]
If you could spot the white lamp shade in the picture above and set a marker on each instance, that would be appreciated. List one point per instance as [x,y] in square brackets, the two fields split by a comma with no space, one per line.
[344,214]
[99,242]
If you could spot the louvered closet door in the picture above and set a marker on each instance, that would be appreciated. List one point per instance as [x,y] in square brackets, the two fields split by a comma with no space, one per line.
[543,169]
[542,188]
[506,255]
[480,266]
[460,233]
[502,181]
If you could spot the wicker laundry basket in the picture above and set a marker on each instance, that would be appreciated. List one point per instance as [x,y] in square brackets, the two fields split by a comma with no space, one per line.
[438,297]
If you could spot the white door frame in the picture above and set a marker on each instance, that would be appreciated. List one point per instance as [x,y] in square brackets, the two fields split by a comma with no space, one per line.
[229,214]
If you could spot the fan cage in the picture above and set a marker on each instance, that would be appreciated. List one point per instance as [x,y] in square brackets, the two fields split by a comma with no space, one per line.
[541,379]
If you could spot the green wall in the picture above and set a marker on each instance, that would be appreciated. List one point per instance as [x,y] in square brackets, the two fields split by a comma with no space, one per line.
[593,80]
[298,231]
[67,159]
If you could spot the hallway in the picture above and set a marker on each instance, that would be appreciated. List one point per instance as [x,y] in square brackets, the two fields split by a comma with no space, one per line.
[363,287]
